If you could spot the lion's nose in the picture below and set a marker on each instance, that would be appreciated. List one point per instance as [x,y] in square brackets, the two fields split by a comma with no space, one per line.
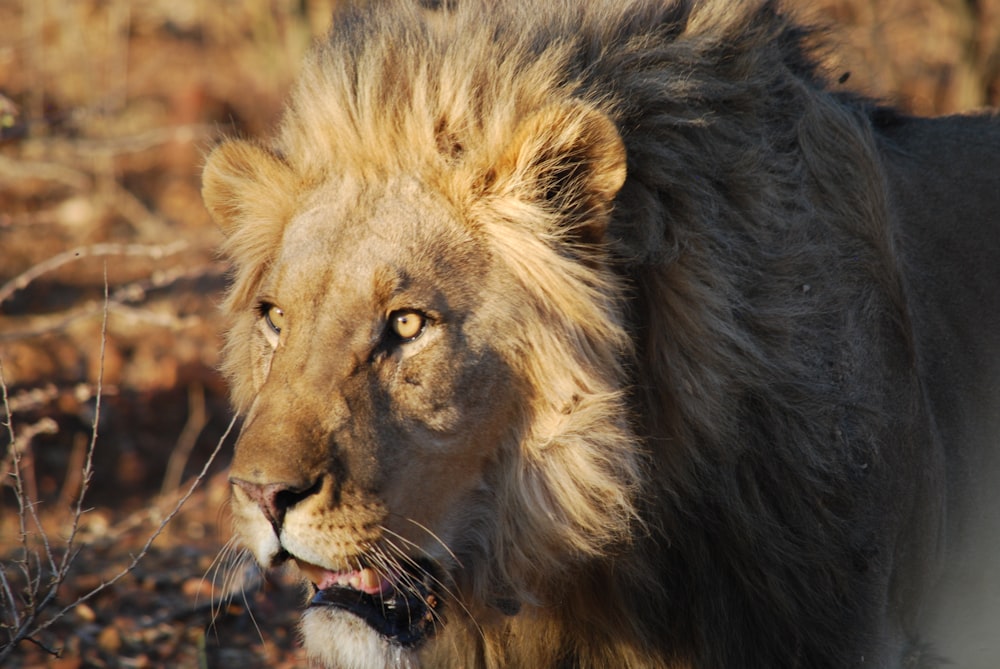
[274,499]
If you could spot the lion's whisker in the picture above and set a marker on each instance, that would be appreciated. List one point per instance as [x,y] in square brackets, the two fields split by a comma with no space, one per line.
[445,589]
[401,578]
[433,536]
[232,562]
[249,610]
[412,562]
[426,553]
[229,557]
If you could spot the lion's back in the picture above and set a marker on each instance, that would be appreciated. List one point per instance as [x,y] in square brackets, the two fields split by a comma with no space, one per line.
[945,203]
[945,208]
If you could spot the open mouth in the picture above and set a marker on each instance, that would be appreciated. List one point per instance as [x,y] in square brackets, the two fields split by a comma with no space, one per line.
[403,609]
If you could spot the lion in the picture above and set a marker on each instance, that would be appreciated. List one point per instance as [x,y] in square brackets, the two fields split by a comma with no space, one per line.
[610,334]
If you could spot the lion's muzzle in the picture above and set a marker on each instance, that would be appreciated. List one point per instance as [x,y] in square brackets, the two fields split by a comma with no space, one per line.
[391,593]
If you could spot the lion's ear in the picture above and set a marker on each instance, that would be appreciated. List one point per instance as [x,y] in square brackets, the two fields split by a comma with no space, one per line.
[571,159]
[244,183]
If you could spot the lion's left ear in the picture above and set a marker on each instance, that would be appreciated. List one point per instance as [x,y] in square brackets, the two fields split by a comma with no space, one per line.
[244,184]
[570,159]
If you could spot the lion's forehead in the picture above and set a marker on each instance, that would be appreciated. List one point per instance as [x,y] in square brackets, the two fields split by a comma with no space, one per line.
[370,241]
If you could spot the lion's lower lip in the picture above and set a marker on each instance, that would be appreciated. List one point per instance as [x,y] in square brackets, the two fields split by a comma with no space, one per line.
[406,620]
[403,615]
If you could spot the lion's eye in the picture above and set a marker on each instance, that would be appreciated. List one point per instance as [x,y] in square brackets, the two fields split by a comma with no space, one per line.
[407,324]
[274,316]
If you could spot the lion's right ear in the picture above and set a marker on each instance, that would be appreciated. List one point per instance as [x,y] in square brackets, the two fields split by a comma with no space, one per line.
[243,183]
[570,159]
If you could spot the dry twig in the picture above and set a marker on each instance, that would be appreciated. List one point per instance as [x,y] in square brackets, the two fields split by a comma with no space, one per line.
[25,611]
[22,280]
[196,422]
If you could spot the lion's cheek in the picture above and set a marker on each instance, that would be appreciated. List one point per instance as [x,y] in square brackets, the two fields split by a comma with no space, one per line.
[451,418]
[434,466]
[461,393]
[436,491]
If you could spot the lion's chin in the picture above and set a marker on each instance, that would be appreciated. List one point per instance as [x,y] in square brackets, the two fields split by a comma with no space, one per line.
[337,638]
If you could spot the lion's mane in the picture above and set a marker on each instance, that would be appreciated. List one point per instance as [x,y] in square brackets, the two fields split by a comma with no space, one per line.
[718,381]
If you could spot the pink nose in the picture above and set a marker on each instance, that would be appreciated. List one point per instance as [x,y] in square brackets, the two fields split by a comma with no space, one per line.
[274,499]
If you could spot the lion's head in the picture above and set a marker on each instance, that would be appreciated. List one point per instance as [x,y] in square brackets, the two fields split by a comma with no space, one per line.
[431,384]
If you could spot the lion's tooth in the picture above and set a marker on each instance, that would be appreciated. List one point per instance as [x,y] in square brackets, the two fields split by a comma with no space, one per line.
[319,576]
[370,581]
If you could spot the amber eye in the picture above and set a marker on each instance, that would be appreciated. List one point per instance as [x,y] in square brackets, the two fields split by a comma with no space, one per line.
[275,317]
[407,324]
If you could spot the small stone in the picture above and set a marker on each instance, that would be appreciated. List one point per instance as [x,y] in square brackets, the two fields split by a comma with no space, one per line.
[109,640]
[85,613]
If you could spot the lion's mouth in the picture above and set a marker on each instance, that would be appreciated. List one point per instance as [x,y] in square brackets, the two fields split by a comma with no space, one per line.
[401,608]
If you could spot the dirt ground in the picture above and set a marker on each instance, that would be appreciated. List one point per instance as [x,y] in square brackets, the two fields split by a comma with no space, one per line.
[106,110]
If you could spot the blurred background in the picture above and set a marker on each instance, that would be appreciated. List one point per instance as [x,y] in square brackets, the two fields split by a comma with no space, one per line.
[107,109]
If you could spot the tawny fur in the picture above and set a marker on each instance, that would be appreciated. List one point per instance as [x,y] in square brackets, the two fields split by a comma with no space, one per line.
[731,445]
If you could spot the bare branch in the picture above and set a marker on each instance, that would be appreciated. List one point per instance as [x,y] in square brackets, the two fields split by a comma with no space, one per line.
[87,149]
[181,134]
[20,169]
[196,421]
[33,398]
[22,280]
[20,628]
[8,596]
[27,617]
[88,466]
[23,442]
[132,208]
[26,504]
[149,542]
